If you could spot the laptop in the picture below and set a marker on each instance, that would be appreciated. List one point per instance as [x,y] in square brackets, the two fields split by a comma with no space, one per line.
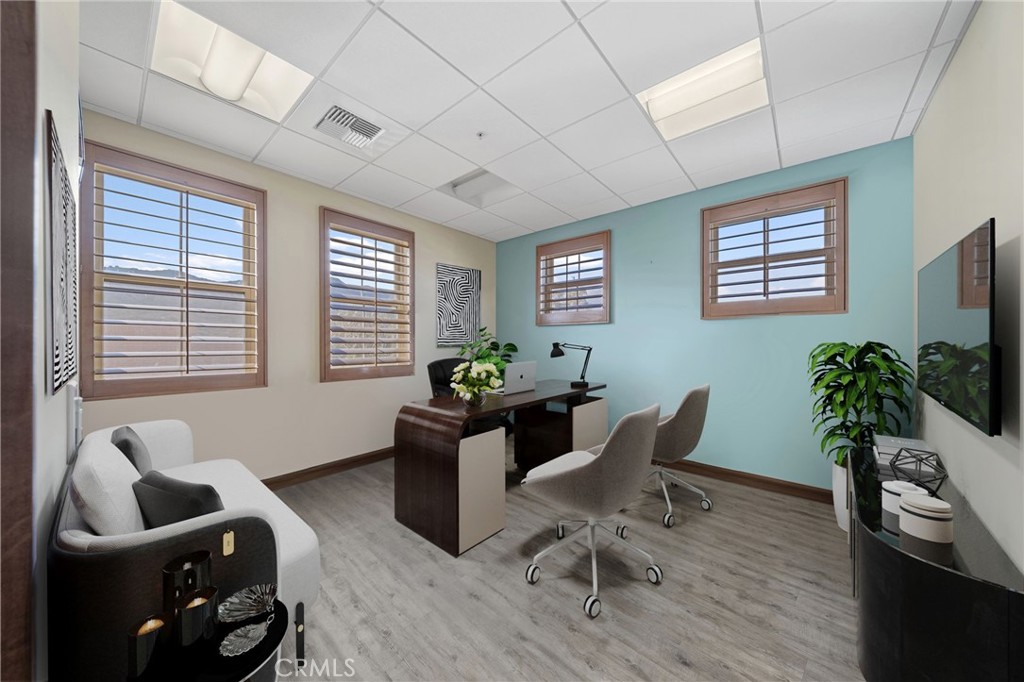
[519,377]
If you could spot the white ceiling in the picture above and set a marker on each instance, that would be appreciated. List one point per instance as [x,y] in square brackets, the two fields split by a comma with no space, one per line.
[539,93]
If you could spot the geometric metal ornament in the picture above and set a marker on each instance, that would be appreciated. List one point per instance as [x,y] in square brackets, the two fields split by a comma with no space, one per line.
[920,467]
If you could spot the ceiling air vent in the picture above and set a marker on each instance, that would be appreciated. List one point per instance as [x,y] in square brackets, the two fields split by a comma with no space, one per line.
[349,128]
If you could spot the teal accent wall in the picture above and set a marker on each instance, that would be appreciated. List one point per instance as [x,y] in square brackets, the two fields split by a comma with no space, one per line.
[657,346]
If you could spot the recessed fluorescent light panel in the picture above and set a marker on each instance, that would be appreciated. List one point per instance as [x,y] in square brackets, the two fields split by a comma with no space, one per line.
[480,188]
[721,88]
[195,51]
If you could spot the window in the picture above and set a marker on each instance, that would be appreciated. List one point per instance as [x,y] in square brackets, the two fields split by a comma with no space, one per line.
[173,279]
[973,257]
[366,310]
[778,254]
[573,278]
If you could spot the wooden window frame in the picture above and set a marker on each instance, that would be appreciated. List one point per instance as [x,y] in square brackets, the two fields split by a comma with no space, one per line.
[566,247]
[357,224]
[158,171]
[767,206]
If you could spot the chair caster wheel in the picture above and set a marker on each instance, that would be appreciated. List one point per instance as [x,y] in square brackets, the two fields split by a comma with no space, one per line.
[705,504]
[533,574]
[559,531]
[654,574]
[622,531]
[668,520]
[673,484]
[592,606]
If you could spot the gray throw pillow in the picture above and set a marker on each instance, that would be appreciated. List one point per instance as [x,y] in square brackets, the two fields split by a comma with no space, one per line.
[101,489]
[130,443]
[165,500]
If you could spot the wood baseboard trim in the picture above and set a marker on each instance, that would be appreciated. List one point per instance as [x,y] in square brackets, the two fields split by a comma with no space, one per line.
[303,475]
[775,485]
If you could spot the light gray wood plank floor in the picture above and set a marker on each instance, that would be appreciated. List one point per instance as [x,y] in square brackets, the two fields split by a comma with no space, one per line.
[757,589]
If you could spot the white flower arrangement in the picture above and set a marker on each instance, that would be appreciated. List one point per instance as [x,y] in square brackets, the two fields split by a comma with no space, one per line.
[469,380]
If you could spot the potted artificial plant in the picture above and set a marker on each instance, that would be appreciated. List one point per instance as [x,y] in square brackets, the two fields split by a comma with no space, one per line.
[484,368]
[860,390]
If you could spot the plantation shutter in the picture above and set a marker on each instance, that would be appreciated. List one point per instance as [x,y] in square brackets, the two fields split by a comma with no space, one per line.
[173,284]
[368,300]
[785,253]
[973,254]
[573,280]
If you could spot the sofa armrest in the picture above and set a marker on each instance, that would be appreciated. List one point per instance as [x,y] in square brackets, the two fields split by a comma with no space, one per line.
[83,542]
[96,595]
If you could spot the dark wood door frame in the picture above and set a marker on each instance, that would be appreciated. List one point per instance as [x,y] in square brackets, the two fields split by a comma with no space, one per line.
[18,131]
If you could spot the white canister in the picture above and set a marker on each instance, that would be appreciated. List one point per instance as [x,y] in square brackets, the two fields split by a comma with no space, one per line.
[891,493]
[926,528]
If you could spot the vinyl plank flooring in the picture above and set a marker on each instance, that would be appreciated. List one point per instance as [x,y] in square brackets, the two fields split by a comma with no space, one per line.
[757,589]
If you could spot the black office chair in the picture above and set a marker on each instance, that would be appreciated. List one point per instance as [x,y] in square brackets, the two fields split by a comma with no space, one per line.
[440,372]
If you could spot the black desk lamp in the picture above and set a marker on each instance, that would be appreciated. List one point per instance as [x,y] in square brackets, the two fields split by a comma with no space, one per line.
[557,352]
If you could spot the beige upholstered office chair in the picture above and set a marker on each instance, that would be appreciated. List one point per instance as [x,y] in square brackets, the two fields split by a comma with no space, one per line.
[596,486]
[678,435]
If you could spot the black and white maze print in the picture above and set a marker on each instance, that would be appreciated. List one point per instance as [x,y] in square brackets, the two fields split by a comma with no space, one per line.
[458,304]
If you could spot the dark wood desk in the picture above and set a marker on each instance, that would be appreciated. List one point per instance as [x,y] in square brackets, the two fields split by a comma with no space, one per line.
[434,453]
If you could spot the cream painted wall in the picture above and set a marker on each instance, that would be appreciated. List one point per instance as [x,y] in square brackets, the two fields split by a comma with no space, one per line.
[57,90]
[296,422]
[968,167]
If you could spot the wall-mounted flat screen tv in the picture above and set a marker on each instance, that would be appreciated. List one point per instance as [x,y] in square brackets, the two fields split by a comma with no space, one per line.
[957,357]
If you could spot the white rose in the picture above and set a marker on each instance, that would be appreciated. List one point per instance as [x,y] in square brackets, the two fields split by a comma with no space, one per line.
[460,367]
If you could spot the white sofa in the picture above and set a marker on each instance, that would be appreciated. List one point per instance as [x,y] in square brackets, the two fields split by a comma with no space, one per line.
[271,541]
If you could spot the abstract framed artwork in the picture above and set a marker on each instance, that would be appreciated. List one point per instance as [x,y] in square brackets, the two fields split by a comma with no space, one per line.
[62,265]
[458,304]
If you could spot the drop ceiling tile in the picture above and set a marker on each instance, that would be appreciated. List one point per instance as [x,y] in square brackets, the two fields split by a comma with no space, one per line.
[458,129]
[479,222]
[392,72]
[529,211]
[109,85]
[660,191]
[864,135]
[426,162]
[870,96]
[775,13]
[322,97]
[573,192]
[559,83]
[535,165]
[607,205]
[645,169]
[953,24]
[120,29]
[292,153]
[436,206]
[305,34]
[726,143]
[582,8]
[481,39]
[907,123]
[753,164]
[844,39]
[647,42]
[180,111]
[507,233]
[607,136]
[930,72]
[382,186]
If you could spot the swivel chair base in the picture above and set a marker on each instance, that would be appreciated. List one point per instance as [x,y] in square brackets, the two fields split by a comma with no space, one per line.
[668,520]
[592,604]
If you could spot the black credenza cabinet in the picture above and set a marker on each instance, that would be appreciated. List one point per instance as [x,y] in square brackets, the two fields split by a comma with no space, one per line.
[918,620]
